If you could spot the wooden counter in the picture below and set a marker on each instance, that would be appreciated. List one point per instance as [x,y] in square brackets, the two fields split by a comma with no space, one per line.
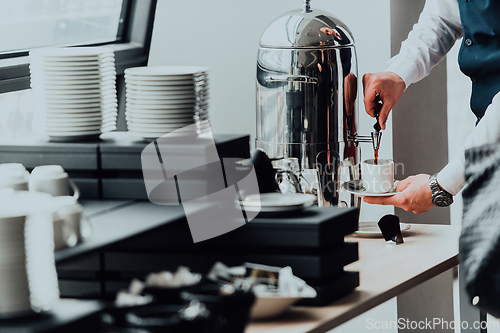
[386,271]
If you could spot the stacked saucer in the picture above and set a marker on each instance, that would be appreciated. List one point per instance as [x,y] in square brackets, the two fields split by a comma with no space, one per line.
[74,92]
[164,99]
[27,268]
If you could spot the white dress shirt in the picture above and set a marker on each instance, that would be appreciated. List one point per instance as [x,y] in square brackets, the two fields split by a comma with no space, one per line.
[430,40]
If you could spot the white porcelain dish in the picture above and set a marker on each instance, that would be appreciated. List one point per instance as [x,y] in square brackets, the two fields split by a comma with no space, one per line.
[165,71]
[364,193]
[268,305]
[372,230]
[166,89]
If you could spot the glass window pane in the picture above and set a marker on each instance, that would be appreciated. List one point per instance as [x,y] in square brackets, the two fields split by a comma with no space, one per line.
[26,24]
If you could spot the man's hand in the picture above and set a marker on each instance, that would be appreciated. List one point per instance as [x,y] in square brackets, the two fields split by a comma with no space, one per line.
[390,88]
[414,195]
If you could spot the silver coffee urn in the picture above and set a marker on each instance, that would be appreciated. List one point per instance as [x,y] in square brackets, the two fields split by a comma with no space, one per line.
[307,106]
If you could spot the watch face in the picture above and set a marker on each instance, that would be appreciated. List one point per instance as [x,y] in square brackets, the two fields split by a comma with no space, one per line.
[442,200]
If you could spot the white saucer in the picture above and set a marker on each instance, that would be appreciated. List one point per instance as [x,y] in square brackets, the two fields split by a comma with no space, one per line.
[371,229]
[364,193]
[166,71]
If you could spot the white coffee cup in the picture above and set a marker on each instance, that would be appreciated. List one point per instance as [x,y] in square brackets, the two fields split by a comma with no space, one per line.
[14,176]
[64,234]
[52,179]
[377,178]
[71,212]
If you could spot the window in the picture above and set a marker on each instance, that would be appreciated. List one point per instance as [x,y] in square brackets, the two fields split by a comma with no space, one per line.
[26,24]
[124,25]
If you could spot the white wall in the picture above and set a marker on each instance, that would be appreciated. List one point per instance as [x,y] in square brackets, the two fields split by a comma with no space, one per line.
[225,35]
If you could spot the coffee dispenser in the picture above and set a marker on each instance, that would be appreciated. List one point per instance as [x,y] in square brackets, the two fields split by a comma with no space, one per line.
[307,106]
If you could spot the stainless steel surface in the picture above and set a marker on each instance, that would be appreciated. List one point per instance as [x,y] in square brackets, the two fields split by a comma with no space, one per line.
[376,138]
[307,87]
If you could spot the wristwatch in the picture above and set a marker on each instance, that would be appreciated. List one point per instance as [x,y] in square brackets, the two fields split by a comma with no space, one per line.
[440,197]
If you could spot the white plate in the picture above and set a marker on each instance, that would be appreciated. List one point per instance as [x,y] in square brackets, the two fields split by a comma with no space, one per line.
[167,89]
[78,112]
[73,121]
[74,81]
[151,136]
[49,101]
[64,78]
[70,130]
[64,61]
[166,114]
[174,99]
[82,105]
[159,129]
[72,133]
[49,59]
[268,306]
[91,51]
[159,119]
[161,105]
[81,96]
[95,75]
[155,127]
[76,87]
[371,229]
[164,109]
[58,68]
[167,95]
[55,92]
[83,118]
[155,71]
[166,80]
[78,73]
[278,200]
[364,193]
[163,87]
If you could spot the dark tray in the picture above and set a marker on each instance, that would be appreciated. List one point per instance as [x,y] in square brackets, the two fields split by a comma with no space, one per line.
[304,266]
[313,230]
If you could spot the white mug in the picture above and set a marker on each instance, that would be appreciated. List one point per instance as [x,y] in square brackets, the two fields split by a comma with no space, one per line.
[71,212]
[64,234]
[377,178]
[14,176]
[52,179]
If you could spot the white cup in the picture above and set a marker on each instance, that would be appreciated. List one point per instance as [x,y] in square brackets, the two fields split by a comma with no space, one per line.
[75,223]
[14,176]
[52,179]
[64,233]
[377,178]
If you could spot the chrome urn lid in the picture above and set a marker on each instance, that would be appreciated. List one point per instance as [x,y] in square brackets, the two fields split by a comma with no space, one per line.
[306,28]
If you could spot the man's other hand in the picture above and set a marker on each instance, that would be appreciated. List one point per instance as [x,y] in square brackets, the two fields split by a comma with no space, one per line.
[414,194]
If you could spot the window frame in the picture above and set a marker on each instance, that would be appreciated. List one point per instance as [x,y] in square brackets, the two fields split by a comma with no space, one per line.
[131,47]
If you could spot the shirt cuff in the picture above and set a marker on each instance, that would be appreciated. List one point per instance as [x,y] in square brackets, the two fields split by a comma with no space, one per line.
[405,68]
[452,177]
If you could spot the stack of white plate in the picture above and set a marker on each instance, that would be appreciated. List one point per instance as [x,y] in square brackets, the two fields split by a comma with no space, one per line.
[74,92]
[164,99]
[27,268]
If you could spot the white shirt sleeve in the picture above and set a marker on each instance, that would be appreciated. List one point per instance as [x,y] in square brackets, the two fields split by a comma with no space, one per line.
[452,178]
[435,33]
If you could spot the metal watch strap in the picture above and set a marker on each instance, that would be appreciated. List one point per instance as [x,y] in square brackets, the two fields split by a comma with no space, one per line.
[440,197]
